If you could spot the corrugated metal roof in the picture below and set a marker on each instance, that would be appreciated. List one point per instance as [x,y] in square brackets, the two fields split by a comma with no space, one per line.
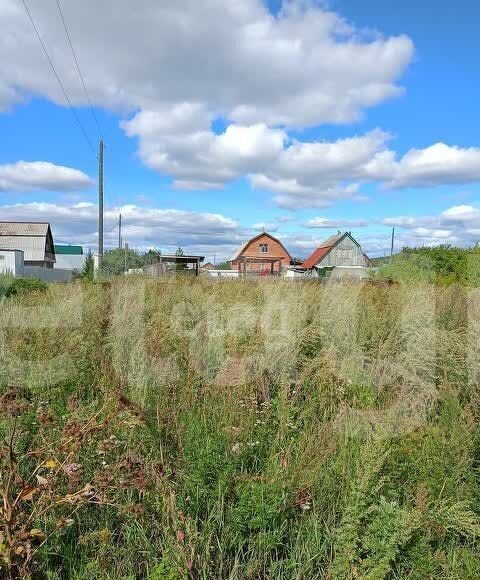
[33,247]
[23,229]
[30,237]
[321,251]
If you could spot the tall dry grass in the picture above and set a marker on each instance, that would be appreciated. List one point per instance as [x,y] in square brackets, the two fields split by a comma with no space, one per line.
[280,430]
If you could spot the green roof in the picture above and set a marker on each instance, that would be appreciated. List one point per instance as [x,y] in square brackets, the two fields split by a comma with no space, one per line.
[71,250]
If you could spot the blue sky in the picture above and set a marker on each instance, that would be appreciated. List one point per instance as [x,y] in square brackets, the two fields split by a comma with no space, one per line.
[219,120]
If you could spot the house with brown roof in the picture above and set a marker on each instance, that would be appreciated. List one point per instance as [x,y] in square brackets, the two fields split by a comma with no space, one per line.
[261,255]
[340,252]
[208,266]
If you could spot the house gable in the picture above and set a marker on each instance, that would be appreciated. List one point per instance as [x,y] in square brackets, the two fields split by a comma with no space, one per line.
[255,247]
[33,238]
[265,247]
[339,250]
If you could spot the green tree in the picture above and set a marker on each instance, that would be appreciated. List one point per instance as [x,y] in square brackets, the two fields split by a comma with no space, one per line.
[88,267]
[151,257]
[223,266]
[180,266]
[116,262]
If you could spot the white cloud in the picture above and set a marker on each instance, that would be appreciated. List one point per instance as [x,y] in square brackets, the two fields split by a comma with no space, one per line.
[265,227]
[300,174]
[184,146]
[456,225]
[304,66]
[320,222]
[435,165]
[143,227]
[38,175]
[179,141]
[465,214]
[176,72]
[317,174]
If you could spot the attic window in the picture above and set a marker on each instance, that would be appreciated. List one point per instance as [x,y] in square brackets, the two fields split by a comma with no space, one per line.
[264,248]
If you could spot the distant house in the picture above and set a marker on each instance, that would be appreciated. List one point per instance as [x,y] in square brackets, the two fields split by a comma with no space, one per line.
[208,266]
[340,254]
[69,257]
[34,239]
[263,254]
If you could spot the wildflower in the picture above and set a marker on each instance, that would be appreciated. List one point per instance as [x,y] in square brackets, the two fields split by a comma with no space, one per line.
[74,472]
[72,468]
[236,449]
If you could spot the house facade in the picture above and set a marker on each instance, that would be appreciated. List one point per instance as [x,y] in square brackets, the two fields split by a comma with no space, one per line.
[69,258]
[341,253]
[208,266]
[34,239]
[263,254]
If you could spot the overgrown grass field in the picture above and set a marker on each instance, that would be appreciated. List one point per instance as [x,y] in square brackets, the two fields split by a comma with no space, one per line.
[187,428]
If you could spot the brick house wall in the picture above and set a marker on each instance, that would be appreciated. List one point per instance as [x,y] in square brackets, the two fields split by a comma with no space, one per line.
[253,249]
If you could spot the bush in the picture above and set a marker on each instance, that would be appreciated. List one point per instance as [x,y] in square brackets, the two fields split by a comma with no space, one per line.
[13,286]
[444,265]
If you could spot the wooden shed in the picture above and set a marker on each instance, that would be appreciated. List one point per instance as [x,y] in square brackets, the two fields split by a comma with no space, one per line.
[341,251]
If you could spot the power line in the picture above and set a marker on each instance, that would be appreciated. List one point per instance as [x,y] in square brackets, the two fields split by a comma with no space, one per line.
[79,71]
[77,118]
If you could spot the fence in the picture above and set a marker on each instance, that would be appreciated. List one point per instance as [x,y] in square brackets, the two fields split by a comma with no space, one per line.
[48,274]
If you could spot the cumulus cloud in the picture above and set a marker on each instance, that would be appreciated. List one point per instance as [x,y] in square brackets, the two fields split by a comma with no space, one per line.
[41,175]
[435,165]
[458,224]
[316,174]
[303,66]
[320,222]
[265,227]
[143,227]
[179,141]
[163,68]
[300,174]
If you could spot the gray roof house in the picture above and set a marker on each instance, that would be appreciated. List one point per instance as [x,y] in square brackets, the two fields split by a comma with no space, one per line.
[33,238]
[340,254]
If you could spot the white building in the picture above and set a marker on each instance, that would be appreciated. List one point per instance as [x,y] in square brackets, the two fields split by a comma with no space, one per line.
[11,262]
[69,258]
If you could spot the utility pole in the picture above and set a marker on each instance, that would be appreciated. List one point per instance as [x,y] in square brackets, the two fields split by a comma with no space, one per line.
[393,242]
[100,206]
[120,231]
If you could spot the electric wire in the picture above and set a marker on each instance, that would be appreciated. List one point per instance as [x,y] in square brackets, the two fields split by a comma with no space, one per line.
[79,71]
[74,113]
